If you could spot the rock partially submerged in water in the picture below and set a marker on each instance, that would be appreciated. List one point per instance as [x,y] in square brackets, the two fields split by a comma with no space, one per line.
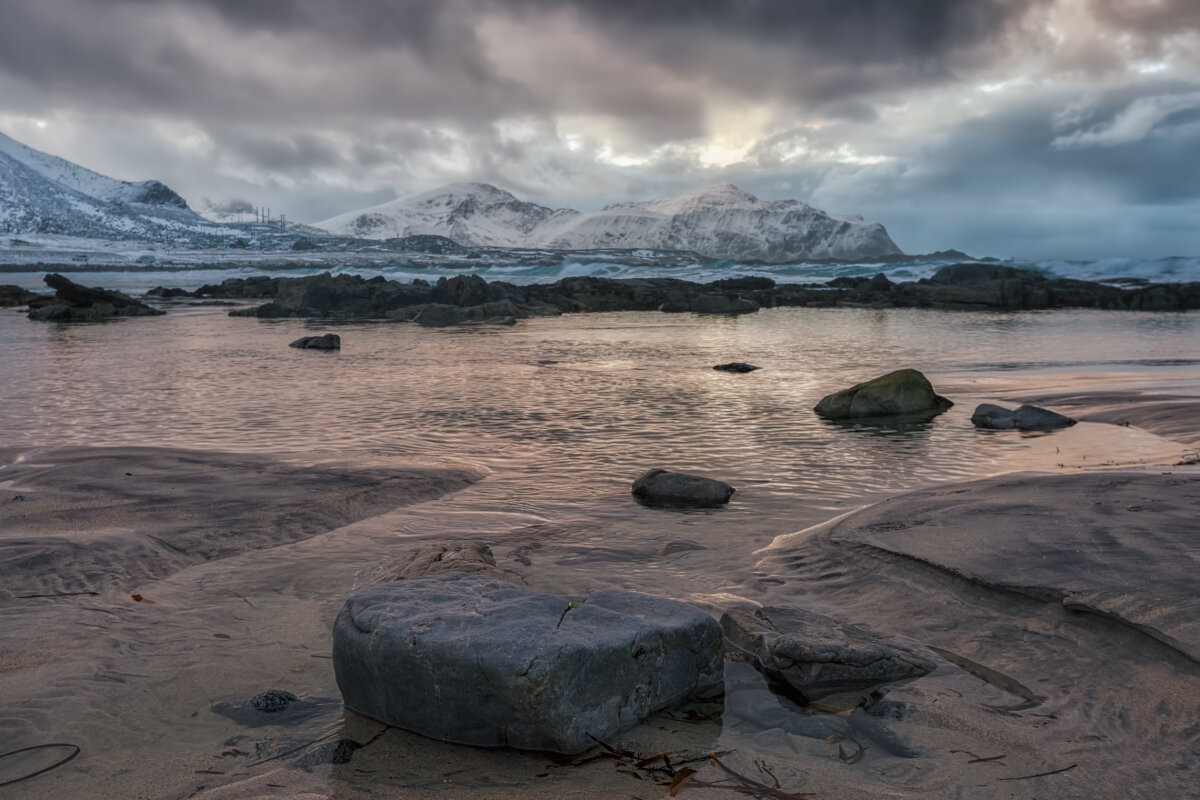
[1026,418]
[905,392]
[73,302]
[11,295]
[735,366]
[477,661]
[435,559]
[330,341]
[661,487]
[814,655]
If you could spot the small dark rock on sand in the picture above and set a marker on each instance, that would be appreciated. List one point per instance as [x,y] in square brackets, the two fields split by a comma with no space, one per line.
[735,366]
[272,701]
[330,341]
[662,488]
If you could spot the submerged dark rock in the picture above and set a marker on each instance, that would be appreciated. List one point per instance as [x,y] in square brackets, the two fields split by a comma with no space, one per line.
[477,661]
[660,487]
[329,341]
[813,655]
[735,366]
[904,392]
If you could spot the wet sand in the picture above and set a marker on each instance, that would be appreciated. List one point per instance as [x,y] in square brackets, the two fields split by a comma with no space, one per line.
[1050,656]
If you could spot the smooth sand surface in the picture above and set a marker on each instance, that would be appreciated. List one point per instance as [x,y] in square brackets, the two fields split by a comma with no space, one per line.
[83,519]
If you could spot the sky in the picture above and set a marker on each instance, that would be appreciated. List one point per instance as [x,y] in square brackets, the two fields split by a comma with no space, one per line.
[1013,128]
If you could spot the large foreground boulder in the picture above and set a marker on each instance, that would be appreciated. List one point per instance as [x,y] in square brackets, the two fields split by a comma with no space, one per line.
[1026,418]
[905,392]
[813,655]
[471,660]
[660,487]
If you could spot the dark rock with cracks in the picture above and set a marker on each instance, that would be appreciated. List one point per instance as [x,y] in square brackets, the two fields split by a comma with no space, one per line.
[1026,418]
[813,655]
[330,341]
[905,392]
[467,659]
[661,487]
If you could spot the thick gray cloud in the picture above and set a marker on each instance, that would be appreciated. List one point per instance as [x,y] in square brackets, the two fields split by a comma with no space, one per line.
[1007,126]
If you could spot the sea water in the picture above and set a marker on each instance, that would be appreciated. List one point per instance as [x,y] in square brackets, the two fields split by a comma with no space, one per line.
[561,414]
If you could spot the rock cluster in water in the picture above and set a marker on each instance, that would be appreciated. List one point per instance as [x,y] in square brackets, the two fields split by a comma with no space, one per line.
[469,298]
[72,302]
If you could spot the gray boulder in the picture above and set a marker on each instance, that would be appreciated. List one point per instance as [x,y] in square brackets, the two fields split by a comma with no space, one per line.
[900,393]
[660,487]
[814,655]
[1026,418]
[330,341]
[476,661]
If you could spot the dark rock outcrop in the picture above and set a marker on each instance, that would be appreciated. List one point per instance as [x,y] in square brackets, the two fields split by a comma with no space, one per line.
[73,302]
[905,392]
[659,487]
[329,341]
[1026,418]
[968,286]
[467,659]
[813,655]
[11,295]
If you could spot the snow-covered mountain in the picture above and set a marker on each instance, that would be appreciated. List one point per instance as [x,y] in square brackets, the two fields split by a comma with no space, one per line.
[719,222]
[45,194]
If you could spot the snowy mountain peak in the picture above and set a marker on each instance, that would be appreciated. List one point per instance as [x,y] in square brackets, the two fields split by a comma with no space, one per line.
[87,182]
[721,222]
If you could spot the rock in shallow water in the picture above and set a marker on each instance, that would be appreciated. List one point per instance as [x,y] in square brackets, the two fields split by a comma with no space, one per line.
[900,393]
[660,487]
[814,655]
[1026,418]
[477,661]
[735,366]
[330,341]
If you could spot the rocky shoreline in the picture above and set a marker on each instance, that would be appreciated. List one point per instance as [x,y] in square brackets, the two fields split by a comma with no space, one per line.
[469,298]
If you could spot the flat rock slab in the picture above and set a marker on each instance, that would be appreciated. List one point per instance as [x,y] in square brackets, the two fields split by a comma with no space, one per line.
[1122,545]
[476,661]
[814,655]
[434,559]
[664,488]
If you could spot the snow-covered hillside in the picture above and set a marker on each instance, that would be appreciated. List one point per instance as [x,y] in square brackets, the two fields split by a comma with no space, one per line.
[45,194]
[719,222]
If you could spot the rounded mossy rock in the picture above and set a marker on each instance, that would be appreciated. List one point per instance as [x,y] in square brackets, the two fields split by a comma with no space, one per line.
[905,392]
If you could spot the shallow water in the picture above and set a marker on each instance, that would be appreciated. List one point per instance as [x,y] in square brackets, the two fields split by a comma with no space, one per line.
[562,414]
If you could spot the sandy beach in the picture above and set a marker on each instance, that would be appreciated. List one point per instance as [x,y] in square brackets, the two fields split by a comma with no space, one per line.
[149,591]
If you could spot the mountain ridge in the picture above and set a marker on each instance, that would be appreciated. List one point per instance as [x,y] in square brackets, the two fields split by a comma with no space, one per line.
[720,222]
